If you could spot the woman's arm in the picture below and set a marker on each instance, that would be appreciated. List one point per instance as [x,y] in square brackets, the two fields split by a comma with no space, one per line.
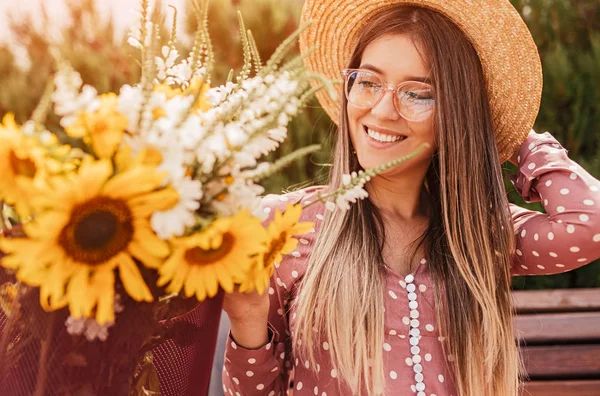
[567,236]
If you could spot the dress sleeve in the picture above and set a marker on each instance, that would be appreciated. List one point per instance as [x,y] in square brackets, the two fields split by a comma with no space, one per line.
[266,371]
[567,236]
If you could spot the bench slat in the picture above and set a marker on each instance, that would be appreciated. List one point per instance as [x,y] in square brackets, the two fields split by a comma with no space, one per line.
[567,300]
[563,361]
[562,388]
[560,327]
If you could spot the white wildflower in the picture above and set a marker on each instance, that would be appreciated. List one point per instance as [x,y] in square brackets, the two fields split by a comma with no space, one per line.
[174,221]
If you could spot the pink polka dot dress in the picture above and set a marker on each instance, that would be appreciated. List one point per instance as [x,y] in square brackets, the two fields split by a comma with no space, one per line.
[564,238]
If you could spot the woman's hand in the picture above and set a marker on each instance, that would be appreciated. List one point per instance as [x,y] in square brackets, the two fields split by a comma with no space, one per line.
[248,314]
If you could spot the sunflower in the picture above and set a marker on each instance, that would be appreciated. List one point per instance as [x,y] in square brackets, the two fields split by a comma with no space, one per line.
[90,224]
[21,163]
[103,129]
[197,86]
[280,241]
[214,257]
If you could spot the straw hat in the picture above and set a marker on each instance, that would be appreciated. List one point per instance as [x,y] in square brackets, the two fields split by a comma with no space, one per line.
[508,54]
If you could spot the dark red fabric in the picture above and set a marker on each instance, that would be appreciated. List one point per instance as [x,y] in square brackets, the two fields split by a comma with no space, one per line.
[183,362]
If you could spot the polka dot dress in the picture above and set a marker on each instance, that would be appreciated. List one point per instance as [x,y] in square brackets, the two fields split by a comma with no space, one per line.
[565,237]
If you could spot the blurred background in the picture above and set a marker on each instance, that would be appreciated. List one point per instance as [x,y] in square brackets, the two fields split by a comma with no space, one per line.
[92,36]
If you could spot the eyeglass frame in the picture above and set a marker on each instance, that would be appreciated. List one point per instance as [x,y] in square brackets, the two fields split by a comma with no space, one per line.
[385,89]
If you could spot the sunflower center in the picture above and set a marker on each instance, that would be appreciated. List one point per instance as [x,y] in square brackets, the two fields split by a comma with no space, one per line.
[199,256]
[275,248]
[98,230]
[23,167]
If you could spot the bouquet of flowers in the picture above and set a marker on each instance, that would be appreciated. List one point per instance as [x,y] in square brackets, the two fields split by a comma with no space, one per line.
[151,208]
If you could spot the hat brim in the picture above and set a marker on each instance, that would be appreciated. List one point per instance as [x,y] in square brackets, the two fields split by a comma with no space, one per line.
[508,54]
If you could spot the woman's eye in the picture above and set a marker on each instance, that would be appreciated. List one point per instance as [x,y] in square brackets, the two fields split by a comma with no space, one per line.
[369,84]
[416,95]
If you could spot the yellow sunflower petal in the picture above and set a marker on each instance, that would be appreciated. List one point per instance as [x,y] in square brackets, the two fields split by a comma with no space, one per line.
[133,182]
[132,279]
[145,205]
[302,228]
[103,284]
[81,298]
[149,240]
[140,253]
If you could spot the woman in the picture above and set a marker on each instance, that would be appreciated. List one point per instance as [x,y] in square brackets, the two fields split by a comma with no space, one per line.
[409,291]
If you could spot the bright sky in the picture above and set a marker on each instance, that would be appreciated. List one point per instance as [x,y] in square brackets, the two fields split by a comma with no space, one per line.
[120,9]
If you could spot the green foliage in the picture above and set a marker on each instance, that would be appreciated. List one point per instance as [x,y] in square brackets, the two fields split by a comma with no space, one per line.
[566,32]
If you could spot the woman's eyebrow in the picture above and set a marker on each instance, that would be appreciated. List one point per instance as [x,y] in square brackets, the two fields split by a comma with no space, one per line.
[407,78]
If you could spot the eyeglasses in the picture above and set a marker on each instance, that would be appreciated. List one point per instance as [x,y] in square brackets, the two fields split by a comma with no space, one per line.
[413,100]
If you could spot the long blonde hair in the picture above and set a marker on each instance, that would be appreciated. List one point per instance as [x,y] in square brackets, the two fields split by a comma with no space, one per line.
[469,241]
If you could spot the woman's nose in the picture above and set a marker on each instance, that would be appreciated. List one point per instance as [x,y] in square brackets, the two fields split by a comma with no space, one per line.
[385,109]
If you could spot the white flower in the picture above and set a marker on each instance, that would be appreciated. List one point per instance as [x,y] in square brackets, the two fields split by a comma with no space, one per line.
[89,327]
[173,222]
[352,195]
[241,195]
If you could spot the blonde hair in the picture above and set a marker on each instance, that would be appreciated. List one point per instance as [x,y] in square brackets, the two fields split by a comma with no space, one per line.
[469,242]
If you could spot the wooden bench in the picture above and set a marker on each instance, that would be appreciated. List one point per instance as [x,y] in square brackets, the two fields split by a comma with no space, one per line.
[560,341]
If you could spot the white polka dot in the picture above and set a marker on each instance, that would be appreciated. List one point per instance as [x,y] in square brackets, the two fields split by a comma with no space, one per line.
[541,267]
[392,294]
[570,228]
[274,369]
[280,312]
[520,253]
[307,364]
[552,254]
[249,373]
[299,385]
[251,360]
[588,202]
[584,218]
[560,209]
[406,320]
[582,260]
[524,267]
[536,237]
[422,288]
[441,378]
[523,233]
[316,390]
[545,202]
[596,238]
[428,357]
[531,166]
[550,235]
[531,145]
[303,241]
[429,327]
[402,284]
[536,254]
[271,291]
[296,253]
[564,191]
[548,183]
[594,188]
[560,265]
[450,358]
[267,210]
[260,386]
[233,345]
[574,249]
[573,176]
[334,373]
[294,274]
[326,345]
[408,361]
[237,381]
[387,347]
[320,216]
[393,375]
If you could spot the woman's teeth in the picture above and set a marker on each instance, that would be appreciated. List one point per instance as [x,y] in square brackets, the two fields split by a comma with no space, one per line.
[380,137]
